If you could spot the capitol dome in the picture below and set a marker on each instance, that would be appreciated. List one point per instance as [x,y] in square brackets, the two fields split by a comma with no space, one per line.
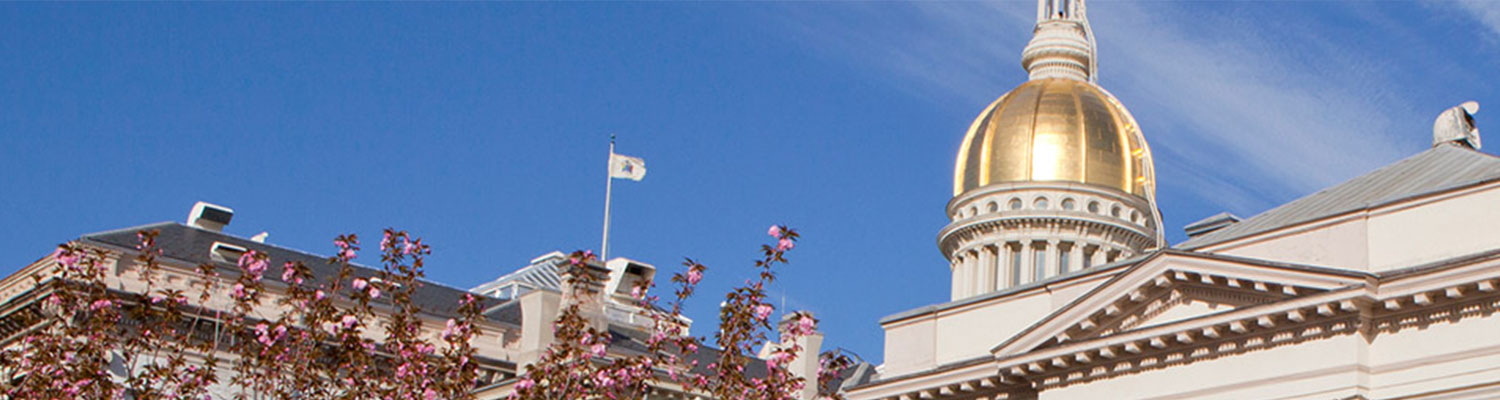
[1055,130]
[1052,178]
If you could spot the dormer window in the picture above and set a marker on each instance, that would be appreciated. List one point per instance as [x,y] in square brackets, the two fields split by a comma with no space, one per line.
[226,253]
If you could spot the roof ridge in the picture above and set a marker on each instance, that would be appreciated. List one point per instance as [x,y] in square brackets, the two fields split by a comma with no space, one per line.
[128,229]
[1436,169]
[97,235]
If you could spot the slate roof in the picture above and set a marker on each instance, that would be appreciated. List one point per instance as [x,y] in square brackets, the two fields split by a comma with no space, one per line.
[1441,168]
[634,341]
[192,245]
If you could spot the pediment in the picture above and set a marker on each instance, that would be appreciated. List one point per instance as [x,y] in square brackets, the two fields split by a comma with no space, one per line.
[1174,286]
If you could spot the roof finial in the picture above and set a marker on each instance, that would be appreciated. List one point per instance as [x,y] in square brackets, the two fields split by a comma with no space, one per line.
[1063,43]
[1456,125]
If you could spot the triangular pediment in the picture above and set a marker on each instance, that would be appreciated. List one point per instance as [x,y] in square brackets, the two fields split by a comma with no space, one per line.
[1173,286]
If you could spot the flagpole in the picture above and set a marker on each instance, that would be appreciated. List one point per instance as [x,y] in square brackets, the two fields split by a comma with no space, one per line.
[608,186]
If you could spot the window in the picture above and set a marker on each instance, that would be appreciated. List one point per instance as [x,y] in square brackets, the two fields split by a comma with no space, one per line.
[1015,204]
[994,207]
[1088,258]
[1041,203]
[1094,207]
[1015,265]
[1115,211]
[1069,204]
[1063,258]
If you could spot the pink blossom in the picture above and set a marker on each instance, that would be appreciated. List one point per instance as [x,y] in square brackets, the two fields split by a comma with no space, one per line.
[449,331]
[101,304]
[775,231]
[762,311]
[374,292]
[785,244]
[525,384]
[238,291]
[597,349]
[263,335]
[288,271]
[65,257]
[694,276]
[319,295]
[360,284]
[349,321]
[779,359]
[602,378]
[253,265]
[806,325]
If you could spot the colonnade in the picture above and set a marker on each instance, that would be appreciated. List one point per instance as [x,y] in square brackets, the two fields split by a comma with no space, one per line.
[993,267]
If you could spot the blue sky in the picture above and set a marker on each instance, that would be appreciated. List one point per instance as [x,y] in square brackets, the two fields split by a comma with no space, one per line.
[483,127]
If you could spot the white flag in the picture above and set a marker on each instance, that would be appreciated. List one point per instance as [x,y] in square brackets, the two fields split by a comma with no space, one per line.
[623,166]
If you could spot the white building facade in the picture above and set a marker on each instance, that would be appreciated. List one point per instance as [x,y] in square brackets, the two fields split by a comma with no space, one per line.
[1381,287]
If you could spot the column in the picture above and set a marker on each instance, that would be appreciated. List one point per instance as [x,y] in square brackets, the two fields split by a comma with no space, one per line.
[1054,257]
[965,281]
[1076,258]
[986,269]
[1027,258]
[971,269]
[1002,266]
[957,270]
[1100,255]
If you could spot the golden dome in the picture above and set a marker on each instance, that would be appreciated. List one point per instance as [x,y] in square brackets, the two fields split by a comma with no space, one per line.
[1055,130]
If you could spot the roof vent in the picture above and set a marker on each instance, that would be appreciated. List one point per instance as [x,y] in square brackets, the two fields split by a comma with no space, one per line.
[208,216]
[625,273]
[1216,222]
[225,252]
[1456,125]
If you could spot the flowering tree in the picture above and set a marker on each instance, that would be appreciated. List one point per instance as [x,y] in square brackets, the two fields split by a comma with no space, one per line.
[580,365]
[314,339]
[310,337]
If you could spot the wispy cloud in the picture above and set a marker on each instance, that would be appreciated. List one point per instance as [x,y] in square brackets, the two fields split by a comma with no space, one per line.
[1487,12]
[1243,114]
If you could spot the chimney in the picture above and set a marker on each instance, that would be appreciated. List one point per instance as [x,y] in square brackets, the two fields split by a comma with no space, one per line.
[807,364]
[583,284]
[209,216]
[1207,225]
[539,309]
